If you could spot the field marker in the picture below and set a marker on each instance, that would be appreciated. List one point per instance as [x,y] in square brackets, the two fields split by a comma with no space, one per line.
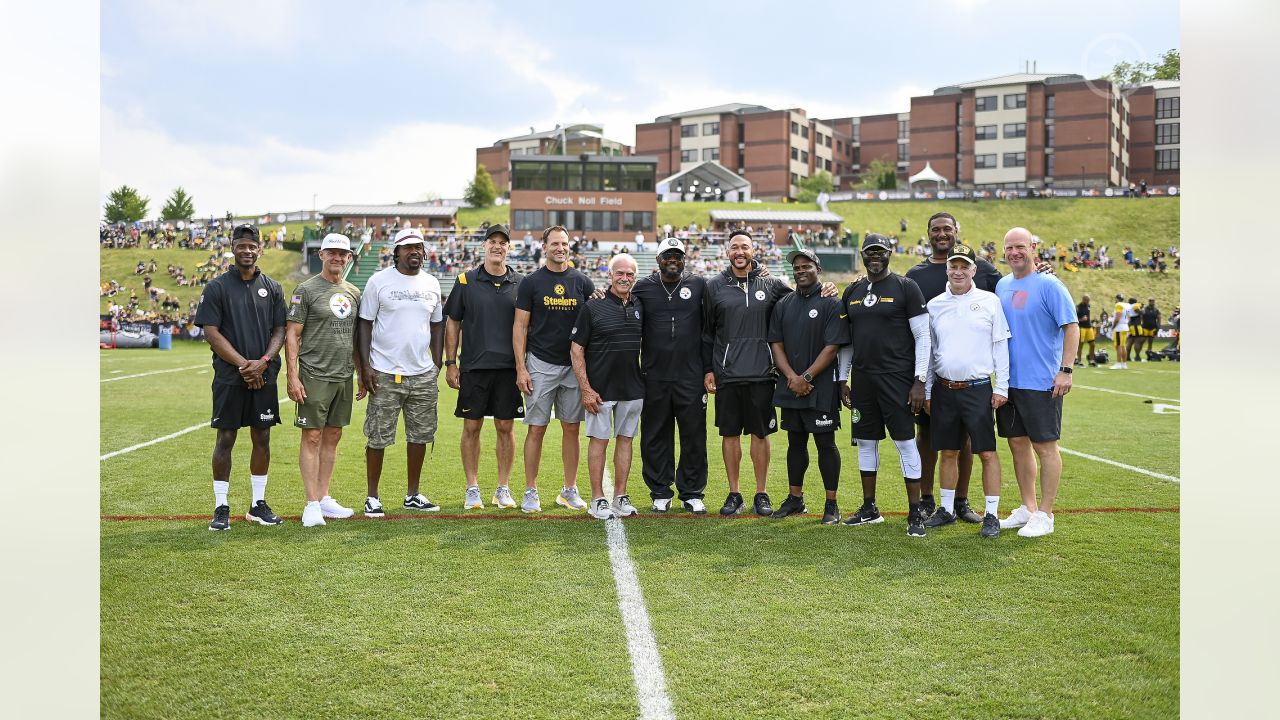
[1087,456]
[646,663]
[1162,409]
[153,372]
[1122,392]
[170,436]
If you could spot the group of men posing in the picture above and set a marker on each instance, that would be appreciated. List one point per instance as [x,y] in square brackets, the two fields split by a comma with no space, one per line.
[941,358]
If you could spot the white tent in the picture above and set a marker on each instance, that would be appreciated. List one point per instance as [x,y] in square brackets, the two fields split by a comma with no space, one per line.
[928,174]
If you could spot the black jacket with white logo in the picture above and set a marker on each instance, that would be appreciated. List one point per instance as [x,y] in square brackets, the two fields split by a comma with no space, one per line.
[736,317]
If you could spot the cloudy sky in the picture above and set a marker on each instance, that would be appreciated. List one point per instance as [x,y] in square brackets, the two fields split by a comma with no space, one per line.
[265,105]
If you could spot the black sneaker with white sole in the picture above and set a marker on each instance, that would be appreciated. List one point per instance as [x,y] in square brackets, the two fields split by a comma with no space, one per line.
[868,514]
[261,514]
[927,506]
[965,512]
[761,505]
[939,518]
[221,518]
[373,508]
[915,524]
[420,502]
[791,506]
[990,526]
[830,513]
[732,504]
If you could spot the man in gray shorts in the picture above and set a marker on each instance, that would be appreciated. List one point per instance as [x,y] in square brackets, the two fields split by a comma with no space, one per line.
[547,305]
[606,362]
[319,339]
[400,340]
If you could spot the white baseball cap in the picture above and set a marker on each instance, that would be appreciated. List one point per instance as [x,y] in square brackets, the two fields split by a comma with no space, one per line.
[336,241]
[408,236]
[670,243]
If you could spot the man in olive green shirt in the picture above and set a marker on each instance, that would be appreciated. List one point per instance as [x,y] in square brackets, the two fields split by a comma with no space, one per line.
[322,358]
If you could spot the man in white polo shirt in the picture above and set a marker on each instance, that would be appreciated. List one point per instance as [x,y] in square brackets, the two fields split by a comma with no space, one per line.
[970,343]
[400,338]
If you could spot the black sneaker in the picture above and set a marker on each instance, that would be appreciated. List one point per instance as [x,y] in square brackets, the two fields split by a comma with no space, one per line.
[261,514]
[221,518]
[732,504]
[990,526]
[830,513]
[939,518]
[868,514]
[762,505]
[915,524]
[965,512]
[927,506]
[791,506]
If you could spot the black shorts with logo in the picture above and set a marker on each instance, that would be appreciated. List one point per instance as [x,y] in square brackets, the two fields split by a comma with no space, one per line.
[1030,413]
[962,413]
[236,406]
[489,393]
[746,408]
[810,421]
[880,401]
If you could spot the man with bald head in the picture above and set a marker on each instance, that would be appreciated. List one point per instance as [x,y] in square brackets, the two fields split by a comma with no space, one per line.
[1045,335]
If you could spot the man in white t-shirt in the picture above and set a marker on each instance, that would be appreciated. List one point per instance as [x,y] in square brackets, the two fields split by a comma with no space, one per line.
[400,338]
[1120,332]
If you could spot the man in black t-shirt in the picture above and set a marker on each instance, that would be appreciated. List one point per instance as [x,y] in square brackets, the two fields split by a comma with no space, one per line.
[547,305]
[805,332]
[606,362]
[242,313]
[888,360]
[1088,335]
[483,304]
[1149,325]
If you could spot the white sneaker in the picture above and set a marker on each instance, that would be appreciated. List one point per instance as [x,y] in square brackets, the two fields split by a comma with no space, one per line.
[600,509]
[1016,519]
[695,506]
[473,501]
[373,508]
[570,498]
[332,509]
[312,515]
[502,497]
[1039,525]
[1118,366]
[622,506]
[661,504]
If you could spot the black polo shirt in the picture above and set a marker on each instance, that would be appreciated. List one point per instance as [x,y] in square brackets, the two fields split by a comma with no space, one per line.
[609,331]
[486,307]
[674,349]
[245,313]
[805,324]
[932,277]
[879,316]
[1083,312]
[553,300]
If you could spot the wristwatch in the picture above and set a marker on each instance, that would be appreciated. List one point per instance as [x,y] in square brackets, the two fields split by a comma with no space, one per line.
[447,363]
[1065,369]
[807,377]
[920,378]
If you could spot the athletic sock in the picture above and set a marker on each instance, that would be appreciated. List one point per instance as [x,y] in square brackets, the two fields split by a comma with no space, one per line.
[949,500]
[993,504]
[220,488]
[259,483]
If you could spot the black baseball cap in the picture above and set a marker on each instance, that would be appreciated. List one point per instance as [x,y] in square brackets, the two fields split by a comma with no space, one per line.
[963,252]
[876,240]
[245,229]
[497,229]
[791,257]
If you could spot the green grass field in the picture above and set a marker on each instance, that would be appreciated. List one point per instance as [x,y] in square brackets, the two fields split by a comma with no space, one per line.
[498,613]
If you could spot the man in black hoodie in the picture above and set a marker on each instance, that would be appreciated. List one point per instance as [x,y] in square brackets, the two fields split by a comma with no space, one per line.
[737,305]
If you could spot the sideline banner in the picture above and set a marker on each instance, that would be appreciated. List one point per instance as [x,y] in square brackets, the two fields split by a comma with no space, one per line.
[1023,193]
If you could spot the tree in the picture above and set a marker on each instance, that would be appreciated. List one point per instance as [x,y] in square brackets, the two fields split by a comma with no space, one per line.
[179,206]
[812,186]
[1169,68]
[880,175]
[481,191]
[124,204]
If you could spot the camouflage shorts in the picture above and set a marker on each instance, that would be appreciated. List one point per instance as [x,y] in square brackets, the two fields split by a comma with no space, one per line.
[416,395]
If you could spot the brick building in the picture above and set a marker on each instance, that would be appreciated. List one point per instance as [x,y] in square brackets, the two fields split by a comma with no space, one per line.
[1155,131]
[596,196]
[570,140]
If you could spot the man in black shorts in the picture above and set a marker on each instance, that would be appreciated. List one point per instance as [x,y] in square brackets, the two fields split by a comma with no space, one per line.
[737,306]
[483,303]
[1088,335]
[888,359]
[1149,327]
[806,331]
[243,316]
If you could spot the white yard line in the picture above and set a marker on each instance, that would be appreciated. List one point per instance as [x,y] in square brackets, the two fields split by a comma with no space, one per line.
[153,372]
[1144,471]
[646,663]
[170,436]
[1122,392]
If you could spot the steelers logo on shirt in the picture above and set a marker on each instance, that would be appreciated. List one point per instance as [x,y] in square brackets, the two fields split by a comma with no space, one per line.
[262,292]
[340,305]
[637,314]
[558,289]
[813,313]
[974,307]
[870,299]
[685,293]
[760,295]
[856,415]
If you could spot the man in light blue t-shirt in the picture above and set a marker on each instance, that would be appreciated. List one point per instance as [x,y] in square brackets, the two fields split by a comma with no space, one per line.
[1045,333]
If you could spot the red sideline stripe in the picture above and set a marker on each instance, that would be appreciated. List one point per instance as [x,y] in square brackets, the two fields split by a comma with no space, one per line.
[584,516]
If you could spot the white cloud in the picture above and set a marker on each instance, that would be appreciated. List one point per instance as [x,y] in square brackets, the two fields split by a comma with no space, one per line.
[262,25]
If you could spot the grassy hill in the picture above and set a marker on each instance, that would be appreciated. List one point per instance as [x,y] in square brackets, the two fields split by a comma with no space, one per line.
[119,265]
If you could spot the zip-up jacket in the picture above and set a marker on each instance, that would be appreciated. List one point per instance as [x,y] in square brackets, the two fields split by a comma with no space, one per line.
[736,318]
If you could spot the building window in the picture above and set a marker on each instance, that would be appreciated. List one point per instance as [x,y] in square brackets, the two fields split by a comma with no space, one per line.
[598,221]
[804,131]
[711,128]
[710,154]
[1170,107]
[1015,130]
[526,220]
[1168,133]
[795,179]
[985,103]
[902,152]
[688,156]
[857,133]
[637,221]
[826,165]
[795,128]
[826,140]
[857,156]
[1049,104]
[1015,159]
[1015,100]
[984,162]
[985,132]
[1048,135]
[1048,164]
[688,131]
[839,147]
[902,129]
[795,153]
[1167,159]
[804,156]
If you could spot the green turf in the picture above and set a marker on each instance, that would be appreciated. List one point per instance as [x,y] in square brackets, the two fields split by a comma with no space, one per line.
[753,618]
